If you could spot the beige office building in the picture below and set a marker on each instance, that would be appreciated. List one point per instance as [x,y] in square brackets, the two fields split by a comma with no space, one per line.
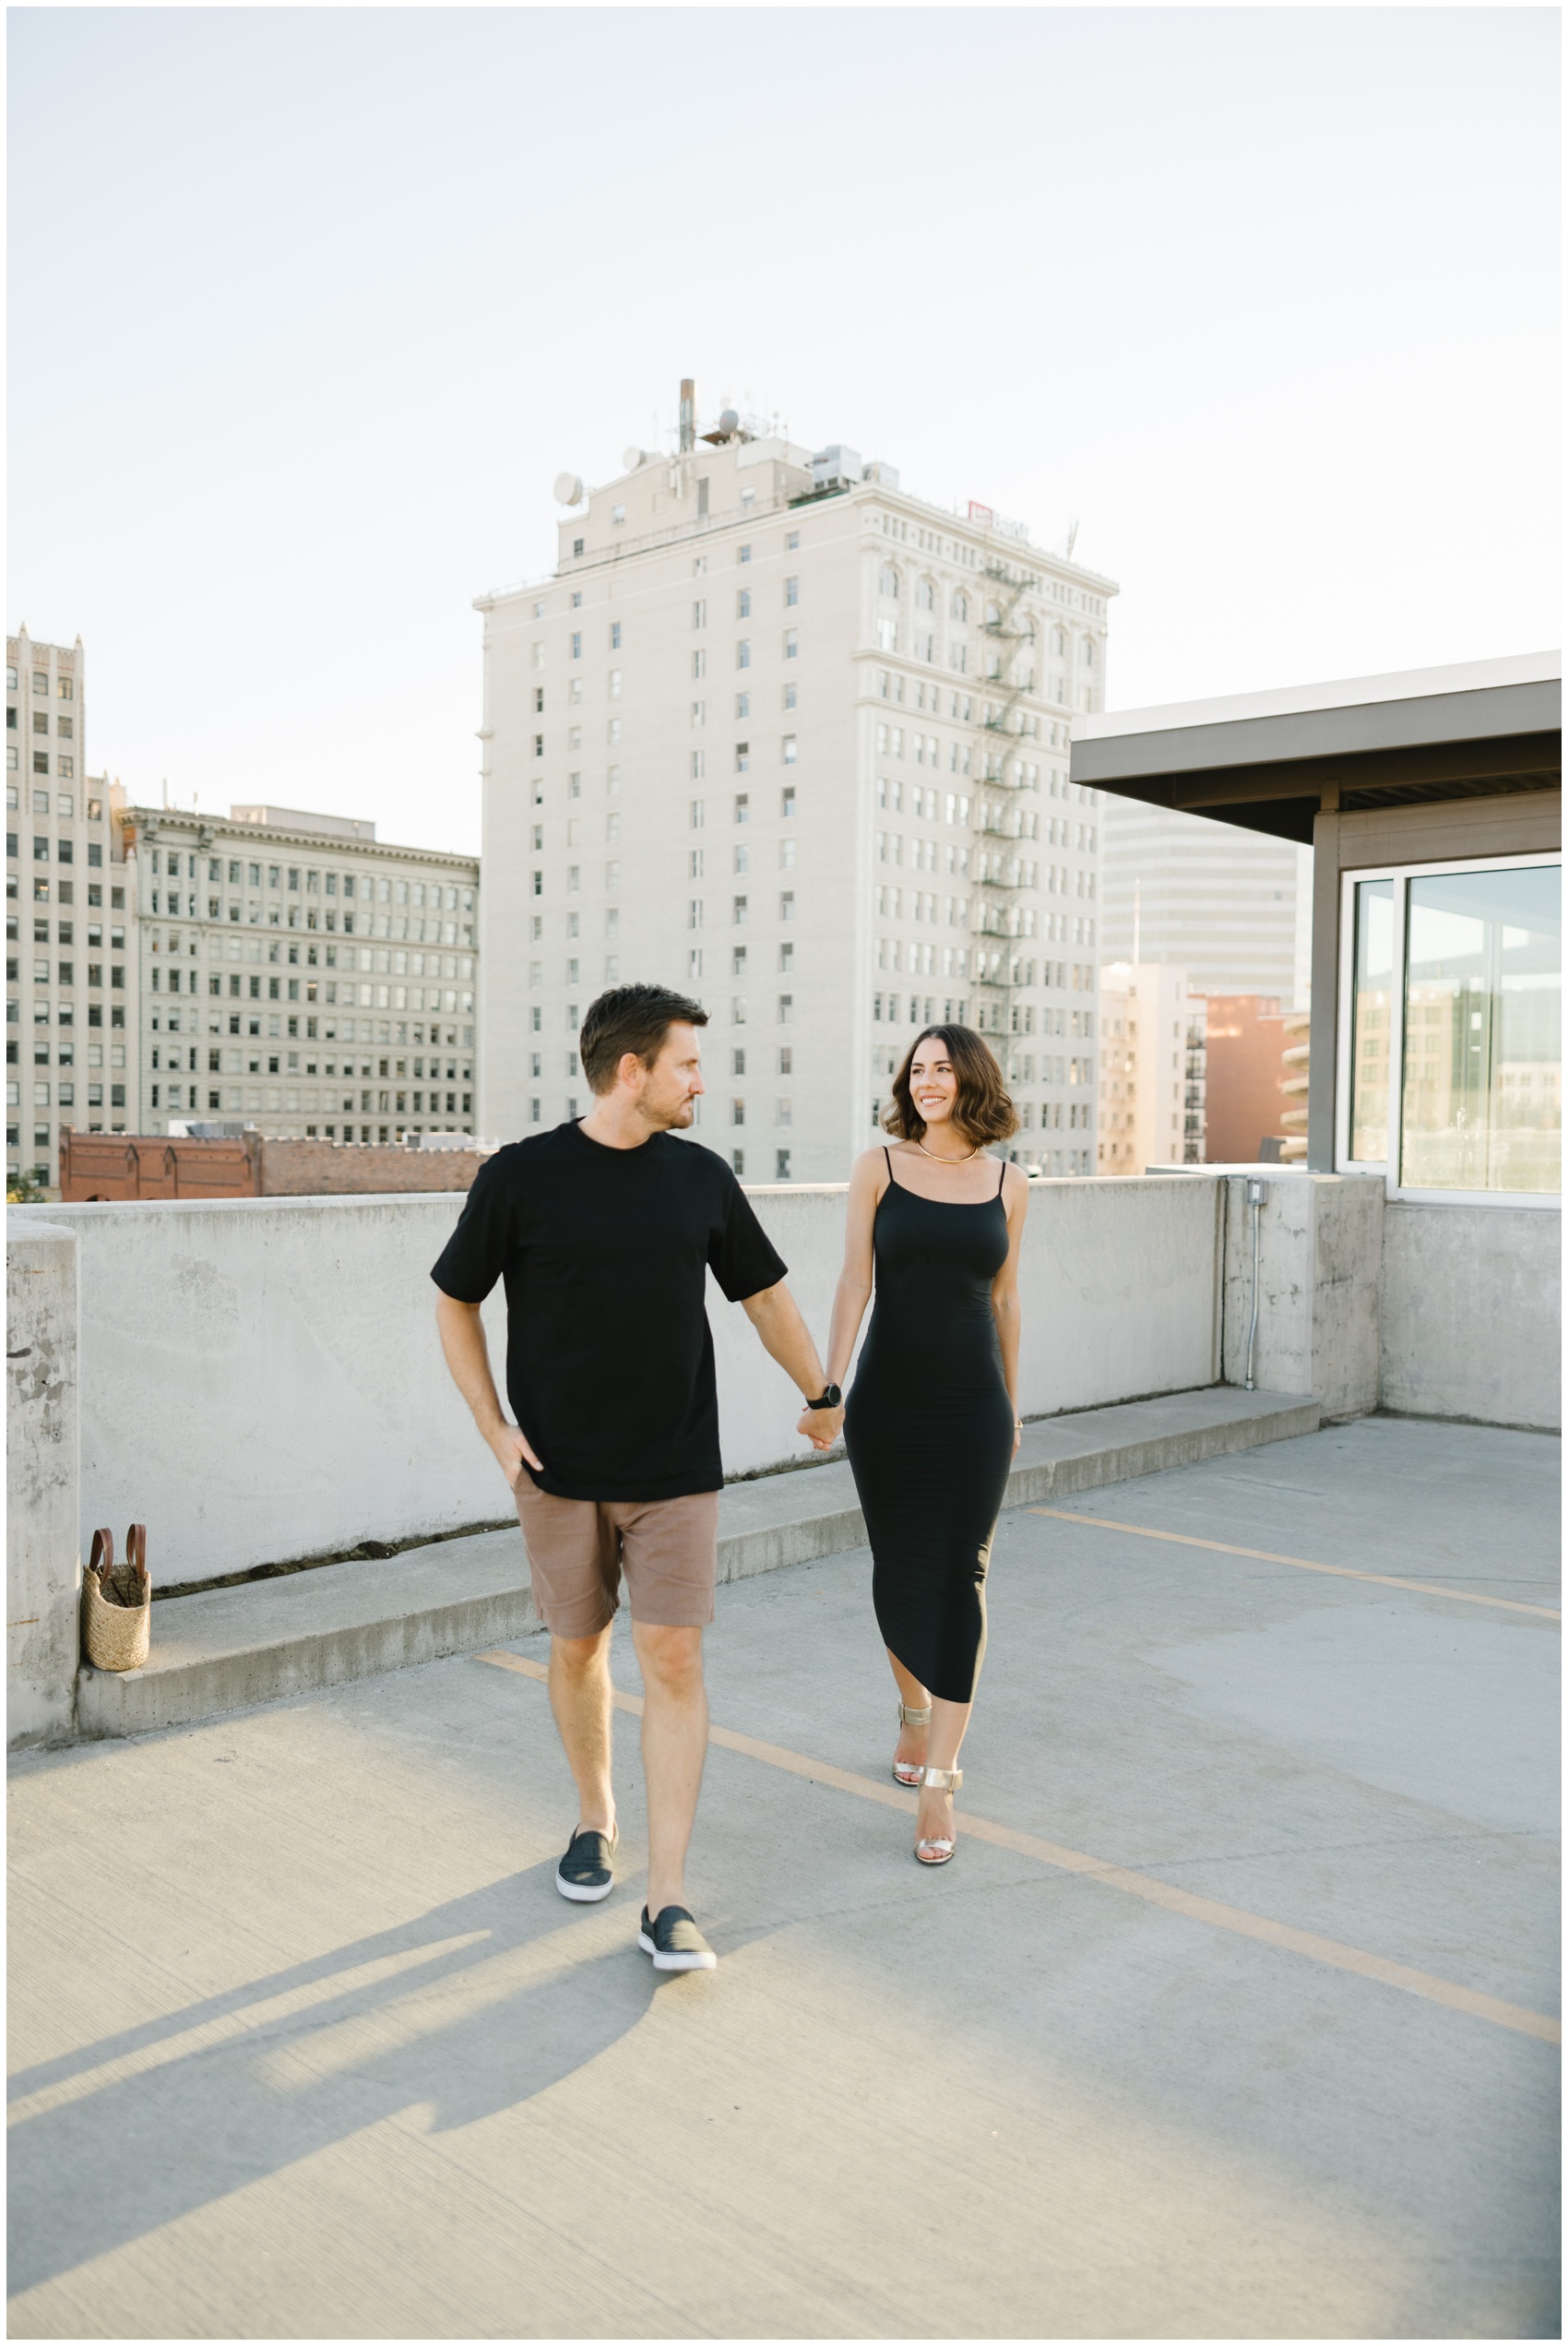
[783,734]
[1231,907]
[297,975]
[1153,1073]
[70,1043]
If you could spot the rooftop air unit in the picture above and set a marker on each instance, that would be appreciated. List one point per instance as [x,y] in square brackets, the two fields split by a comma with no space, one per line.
[836,467]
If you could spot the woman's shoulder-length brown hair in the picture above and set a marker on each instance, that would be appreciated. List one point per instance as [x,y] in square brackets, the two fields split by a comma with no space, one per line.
[982,1110]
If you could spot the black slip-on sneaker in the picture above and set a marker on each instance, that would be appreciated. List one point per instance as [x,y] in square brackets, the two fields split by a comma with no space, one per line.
[675,1943]
[587,1872]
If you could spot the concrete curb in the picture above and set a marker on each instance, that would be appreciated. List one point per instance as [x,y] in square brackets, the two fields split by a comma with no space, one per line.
[228,1649]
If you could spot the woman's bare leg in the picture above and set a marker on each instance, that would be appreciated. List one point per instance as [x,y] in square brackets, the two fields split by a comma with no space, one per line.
[949,1725]
[912,1749]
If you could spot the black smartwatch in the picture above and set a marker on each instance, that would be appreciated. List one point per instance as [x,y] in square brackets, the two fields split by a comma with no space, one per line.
[830,1399]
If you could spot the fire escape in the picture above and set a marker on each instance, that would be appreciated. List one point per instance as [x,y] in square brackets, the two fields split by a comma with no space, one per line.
[996,819]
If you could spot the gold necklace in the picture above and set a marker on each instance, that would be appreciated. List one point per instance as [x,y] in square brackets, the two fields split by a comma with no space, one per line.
[946,1160]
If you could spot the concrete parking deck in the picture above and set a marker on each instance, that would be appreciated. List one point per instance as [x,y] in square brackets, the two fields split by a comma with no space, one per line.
[1233,2017]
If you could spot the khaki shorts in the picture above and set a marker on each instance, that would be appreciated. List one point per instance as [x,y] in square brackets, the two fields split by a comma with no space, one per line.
[578,1548]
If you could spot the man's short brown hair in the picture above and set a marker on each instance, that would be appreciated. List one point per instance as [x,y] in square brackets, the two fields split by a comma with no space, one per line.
[631,1017]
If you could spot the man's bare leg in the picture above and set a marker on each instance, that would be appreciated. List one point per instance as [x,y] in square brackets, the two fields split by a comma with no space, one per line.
[580,1695]
[675,1747]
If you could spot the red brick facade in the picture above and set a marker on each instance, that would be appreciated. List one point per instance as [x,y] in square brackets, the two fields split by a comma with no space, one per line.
[119,1167]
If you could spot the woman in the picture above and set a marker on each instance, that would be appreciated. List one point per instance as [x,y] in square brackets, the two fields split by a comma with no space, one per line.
[932,1424]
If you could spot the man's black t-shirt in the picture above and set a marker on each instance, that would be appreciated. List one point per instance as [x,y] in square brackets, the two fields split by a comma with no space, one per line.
[608,1354]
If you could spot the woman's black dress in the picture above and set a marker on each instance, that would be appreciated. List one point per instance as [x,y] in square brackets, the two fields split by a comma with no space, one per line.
[929,1429]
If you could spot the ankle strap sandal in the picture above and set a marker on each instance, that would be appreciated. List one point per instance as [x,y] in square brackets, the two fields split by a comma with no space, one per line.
[936,1849]
[908,1771]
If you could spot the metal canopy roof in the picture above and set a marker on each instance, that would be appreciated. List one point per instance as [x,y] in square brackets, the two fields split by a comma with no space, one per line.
[1270,761]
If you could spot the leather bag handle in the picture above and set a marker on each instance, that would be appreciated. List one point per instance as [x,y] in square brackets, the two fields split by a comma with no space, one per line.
[135,1552]
[103,1559]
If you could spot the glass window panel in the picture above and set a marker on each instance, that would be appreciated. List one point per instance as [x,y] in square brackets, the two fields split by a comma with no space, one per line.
[1482,1104]
[1372,1002]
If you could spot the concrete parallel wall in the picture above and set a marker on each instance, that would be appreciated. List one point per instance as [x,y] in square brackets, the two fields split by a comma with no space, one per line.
[42,1553]
[1472,1313]
[261,1380]
[1319,1245]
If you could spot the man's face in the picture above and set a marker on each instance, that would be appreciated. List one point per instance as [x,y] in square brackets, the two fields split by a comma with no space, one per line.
[674,1081]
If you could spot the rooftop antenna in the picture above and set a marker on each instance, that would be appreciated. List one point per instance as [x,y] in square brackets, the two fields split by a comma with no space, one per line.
[166,793]
[1072,539]
[688,415]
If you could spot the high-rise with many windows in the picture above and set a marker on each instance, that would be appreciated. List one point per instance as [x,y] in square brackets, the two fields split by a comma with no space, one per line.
[300,976]
[1230,907]
[782,734]
[70,965]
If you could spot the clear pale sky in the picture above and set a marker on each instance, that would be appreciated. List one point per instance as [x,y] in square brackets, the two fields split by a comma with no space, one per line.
[309,308]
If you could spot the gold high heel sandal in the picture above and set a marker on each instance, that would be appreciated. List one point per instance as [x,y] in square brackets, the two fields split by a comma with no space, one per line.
[908,1771]
[939,1780]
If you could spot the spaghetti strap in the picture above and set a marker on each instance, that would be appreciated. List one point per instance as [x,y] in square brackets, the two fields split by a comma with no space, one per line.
[891,1183]
[1002,1176]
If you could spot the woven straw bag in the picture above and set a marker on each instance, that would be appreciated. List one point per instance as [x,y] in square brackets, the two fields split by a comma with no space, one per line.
[118,1602]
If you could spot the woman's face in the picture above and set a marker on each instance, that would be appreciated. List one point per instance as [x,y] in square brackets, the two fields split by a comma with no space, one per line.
[933,1084]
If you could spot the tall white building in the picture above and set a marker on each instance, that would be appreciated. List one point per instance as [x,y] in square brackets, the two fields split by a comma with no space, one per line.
[781,733]
[299,975]
[1153,1068]
[1232,908]
[71,1049]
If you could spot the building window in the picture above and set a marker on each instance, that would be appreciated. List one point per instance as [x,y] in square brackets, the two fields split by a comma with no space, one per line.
[792,644]
[744,603]
[614,634]
[791,592]
[781,1164]
[790,749]
[743,757]
[1451,1020]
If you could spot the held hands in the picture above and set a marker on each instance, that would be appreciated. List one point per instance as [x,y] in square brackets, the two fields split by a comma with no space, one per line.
[512,1447]
[821,1427]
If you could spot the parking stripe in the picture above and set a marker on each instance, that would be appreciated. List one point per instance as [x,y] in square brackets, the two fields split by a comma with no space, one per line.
[1303,1563]
[1235,1919]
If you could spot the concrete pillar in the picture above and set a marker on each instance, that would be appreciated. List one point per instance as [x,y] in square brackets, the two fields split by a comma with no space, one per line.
[42,1456]
[1323,1033]
[1319,1287]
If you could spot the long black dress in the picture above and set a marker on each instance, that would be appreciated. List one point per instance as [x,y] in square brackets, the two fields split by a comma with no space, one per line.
[929,1429]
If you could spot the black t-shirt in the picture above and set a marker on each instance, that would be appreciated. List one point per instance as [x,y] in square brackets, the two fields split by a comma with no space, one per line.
[608,1354]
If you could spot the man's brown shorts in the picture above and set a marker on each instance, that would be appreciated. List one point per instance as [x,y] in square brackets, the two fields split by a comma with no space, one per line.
[578,1548]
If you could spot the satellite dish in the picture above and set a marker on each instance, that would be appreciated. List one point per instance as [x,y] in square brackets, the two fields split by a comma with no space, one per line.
[568,489]
[631,459]
[729,421]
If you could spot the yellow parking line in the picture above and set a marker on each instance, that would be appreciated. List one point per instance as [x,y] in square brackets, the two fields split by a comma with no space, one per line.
[1220,1917]
[1303,1563]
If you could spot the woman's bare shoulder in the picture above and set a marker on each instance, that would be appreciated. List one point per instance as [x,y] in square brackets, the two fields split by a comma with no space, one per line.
[1015,1186]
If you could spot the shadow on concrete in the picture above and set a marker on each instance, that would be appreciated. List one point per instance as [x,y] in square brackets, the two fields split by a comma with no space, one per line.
[474,2028]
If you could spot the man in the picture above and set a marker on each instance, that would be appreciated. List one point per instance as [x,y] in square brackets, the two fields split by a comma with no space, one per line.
[603,1231]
